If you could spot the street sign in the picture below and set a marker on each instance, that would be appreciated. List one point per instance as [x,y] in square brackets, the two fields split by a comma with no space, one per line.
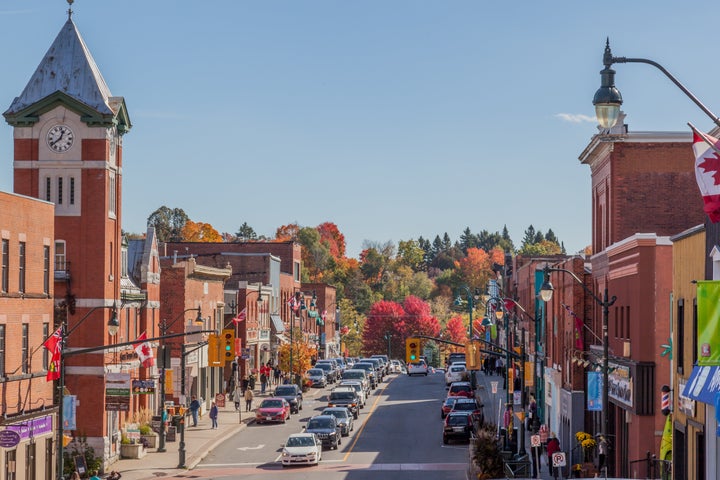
[543,433]
[535,440]
[494,386]
[558,459]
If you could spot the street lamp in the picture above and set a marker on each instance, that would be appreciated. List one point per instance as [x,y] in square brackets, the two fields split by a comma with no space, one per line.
[546,292]
[164,327]
[607,99]
[470,305]
[113,326]
[388,337]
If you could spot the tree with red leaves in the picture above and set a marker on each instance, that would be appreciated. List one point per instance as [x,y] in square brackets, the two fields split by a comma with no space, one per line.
[456,330]
[417,319]
[334,240]
[384,318]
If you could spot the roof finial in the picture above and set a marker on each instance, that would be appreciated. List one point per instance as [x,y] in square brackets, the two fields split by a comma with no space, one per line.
[70,12]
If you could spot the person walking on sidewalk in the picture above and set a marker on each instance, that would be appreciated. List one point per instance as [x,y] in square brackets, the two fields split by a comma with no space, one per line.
[248,400]
[237,395]
[194,410]
[553,446]
[214,415]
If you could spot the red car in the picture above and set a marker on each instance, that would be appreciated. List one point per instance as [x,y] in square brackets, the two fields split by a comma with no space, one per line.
[461,389]
[273,409]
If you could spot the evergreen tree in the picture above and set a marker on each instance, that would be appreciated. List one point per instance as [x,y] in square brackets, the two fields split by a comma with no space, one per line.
[529,237]
[550,236]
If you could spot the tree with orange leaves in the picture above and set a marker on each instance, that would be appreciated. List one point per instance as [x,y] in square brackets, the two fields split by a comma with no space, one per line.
[302,355]
[200,232]
[287,232]
[332,238]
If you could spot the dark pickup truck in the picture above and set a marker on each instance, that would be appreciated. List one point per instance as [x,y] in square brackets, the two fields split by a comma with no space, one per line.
[345,397]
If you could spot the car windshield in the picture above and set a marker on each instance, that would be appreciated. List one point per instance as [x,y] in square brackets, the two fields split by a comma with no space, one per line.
[464,406]
[353,374]
[315,423]
[300,442]
[460,388]
[457,369]
[271,404]
[451,401]
[342,395]
[315,372]
[457,420]
[324,366]
[285,391]
[341,414]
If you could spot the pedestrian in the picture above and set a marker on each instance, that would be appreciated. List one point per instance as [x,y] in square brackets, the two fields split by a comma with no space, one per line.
[498,366]
[94,475]
[602,452]
[248,400]
[532,414]
[194,410]
[237,395]
[214,416]
[553,446]
[245,383]
[75,476]
[263,380]
[277,373]
[251,381]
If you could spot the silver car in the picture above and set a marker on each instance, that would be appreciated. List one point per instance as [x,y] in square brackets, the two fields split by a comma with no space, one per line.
[344,418]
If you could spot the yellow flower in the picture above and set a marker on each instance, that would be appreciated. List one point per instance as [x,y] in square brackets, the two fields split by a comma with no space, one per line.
[588,444]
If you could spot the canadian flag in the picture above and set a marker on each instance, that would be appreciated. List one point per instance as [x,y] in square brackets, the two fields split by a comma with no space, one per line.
[241,316]
[54,346]
[144,351]
[707,172]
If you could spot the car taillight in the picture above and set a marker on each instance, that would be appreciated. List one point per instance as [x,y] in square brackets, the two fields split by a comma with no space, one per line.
[331,404]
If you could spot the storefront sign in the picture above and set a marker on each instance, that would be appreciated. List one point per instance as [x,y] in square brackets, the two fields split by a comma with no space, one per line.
[9,438]
[143,387]
[33,428]
[685,404]
[620,385]
[117,392]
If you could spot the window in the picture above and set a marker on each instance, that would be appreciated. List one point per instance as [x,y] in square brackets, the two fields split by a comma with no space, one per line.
[5,266]
[680,334]
[21,268]
[60,190]
[296,271]
[46,334]
[72,190]
[46,270]
[2,350]
[48,191]
[25,354]
[112,203]
[60,255]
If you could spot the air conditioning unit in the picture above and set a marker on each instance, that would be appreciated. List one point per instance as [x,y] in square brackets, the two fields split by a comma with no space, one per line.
[626,349]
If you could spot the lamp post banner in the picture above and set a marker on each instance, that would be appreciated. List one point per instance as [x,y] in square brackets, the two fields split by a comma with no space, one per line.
[594,391]
[69,412]
[708,322]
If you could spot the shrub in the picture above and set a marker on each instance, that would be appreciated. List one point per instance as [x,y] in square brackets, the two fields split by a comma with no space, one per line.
[145,429]
[79,447]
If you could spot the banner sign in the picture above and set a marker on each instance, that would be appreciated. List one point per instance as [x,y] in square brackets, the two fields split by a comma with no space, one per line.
[33,428]
[708,322]
[594,391]
[117,392]
[69,412]
[143,387]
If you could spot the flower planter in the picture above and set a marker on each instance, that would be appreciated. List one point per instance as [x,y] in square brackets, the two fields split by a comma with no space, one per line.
[132,450]
[151,440]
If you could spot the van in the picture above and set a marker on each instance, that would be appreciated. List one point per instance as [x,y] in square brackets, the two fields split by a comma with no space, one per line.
[359,375]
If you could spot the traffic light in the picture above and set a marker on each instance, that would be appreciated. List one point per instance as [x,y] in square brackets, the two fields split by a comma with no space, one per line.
[227,346]
[412,349]
[214,359]
[472,355]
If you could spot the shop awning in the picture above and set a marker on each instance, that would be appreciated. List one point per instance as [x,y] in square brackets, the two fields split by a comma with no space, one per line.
[703,384]
[277,323]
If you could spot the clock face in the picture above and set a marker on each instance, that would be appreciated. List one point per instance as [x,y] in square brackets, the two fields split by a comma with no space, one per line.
[60,138]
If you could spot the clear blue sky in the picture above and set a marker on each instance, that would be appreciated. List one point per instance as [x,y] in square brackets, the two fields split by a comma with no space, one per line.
[392,119]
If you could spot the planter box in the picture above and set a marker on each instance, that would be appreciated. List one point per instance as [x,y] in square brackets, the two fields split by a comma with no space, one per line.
[151,440]
[132,450]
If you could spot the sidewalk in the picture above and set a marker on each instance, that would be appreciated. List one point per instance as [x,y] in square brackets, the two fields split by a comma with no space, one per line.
[199,441]
[494,407]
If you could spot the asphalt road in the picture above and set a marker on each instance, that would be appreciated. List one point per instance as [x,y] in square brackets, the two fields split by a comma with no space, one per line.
[398,436]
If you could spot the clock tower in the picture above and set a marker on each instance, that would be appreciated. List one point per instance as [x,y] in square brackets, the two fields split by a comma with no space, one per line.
[68,131]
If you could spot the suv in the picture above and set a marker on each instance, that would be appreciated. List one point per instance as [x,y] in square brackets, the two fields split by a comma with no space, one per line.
[326,428]
[457,425]
[461,389]
[369,371]
[385,362]
[357,375]
[292,394]
[379,370]
[358,387]
[469,406]
[345,397]
[417,368]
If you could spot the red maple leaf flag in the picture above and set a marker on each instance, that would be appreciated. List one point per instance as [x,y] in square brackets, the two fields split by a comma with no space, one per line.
[144,351]
[241,316]
[54,346]
[707,172]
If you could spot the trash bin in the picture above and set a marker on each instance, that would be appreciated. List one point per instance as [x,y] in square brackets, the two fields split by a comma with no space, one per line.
[178,422]
[510,444]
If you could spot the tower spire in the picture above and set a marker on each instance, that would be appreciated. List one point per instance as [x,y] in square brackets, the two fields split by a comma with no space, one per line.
[70,12]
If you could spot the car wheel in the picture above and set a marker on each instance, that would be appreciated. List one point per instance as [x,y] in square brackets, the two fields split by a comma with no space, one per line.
[356,415]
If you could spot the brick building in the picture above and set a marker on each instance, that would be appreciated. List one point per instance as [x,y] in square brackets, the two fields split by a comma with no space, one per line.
[26,320]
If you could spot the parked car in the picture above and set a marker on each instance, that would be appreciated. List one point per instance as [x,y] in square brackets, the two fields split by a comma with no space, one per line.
[292,394]
[379,369]
[358,387]
[317,377]
[447,406]
[334,364]
[417,368]
[455,357]
[457,426]
[330,372]
[396,366]
[469,406]
[344,418]
[455,373]
[327,430]
[385,363]
[345,397]
[461,389]
[369,371]
[302,449]
[272,409]
[359,375]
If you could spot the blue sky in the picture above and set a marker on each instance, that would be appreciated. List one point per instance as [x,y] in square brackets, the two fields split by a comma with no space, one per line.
[392,119]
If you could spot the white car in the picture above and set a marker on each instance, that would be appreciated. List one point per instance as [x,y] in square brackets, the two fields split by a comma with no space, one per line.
[455,373]
[417,368]
[302,449]
[396,366]
[358,387]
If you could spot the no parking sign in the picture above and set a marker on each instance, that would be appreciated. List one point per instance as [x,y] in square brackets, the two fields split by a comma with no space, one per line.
[558,459]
